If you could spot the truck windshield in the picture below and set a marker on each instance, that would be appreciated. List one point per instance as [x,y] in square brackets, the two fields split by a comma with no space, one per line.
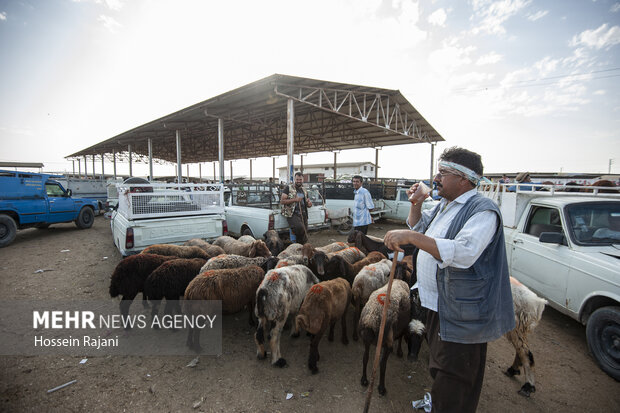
[53,190]
[595,223]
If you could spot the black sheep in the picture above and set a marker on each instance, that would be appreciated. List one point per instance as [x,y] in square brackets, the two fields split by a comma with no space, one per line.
[129,276]
[169,281]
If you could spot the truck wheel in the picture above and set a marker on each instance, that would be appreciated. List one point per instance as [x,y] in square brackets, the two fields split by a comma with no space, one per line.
[247,231]
[85,219]
[8,230]
[603,334]
[345,227]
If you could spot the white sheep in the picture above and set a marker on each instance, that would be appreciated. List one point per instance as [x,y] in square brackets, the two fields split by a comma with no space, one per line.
[279,295]
[528,312]
[369,279]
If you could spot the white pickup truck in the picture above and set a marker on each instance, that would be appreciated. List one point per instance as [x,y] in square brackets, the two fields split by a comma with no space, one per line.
[394,204]
[565,246]
[254,209]
[156,213]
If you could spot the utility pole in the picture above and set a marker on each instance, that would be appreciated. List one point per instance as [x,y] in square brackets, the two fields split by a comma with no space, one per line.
[611,161]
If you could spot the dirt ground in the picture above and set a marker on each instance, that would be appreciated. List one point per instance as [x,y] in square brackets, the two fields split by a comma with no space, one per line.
[567,378]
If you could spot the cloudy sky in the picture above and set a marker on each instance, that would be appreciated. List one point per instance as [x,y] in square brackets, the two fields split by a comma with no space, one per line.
[529,84]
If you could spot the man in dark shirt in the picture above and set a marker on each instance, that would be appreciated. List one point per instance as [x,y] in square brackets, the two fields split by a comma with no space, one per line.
[295,204]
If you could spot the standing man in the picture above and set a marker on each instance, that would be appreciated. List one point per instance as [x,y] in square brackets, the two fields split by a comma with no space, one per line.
[362,204]
[295,204]
[463,278]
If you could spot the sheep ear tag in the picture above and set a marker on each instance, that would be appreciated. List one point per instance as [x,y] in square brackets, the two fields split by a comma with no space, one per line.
[381,298]
[316,289]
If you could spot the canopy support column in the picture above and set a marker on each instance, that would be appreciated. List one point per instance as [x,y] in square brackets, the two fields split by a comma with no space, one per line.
[73,163]
[200,172]
[114,162]
[214,176]
[432,160]
[93,166]
[220,146]
[231,173]
[290,138]
[376,164]
[102,167]
[273,172]
[85,168]
[79,167]
[250,169]
[150,144]
[130,164]
[179,165]
[335,157]
[301,165]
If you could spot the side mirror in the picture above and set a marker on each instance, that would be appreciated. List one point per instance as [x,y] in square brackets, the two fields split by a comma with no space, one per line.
[552,238]
[69,193]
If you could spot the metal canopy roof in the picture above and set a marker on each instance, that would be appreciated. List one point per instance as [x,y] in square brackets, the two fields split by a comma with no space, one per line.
[329,116]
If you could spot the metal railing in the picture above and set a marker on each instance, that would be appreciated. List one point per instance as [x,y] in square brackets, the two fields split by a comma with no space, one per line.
[155,200]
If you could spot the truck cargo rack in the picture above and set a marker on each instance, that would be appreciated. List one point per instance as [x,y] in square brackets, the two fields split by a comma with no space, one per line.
[156,200]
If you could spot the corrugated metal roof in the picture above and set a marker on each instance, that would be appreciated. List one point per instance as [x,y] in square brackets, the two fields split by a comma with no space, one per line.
[329,116]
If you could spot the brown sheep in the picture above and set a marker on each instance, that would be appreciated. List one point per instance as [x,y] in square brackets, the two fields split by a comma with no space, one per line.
[235,287]
[212,250]
[176,251]
[230,245]
[325,303]
[396,325]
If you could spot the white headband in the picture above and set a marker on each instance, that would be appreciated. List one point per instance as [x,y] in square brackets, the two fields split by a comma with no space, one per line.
[464,171]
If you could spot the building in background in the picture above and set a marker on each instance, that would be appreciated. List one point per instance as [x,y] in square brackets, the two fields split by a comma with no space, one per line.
[318,172]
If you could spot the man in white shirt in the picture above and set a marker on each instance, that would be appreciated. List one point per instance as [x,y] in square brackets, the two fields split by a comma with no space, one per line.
[462,276]
[362,204]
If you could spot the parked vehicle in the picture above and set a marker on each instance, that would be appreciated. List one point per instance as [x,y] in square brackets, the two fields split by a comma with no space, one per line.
[85,188]
[566,248]
[391,202]
[37,200]
[254,209]
[156,213]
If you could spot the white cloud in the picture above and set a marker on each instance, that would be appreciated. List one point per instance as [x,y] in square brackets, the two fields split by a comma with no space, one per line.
[3,16]
[438,17]
[450,57]
[615,8]
[599,38]
[599,92]
[109,23]
[114,4]
[546,66]
[489,59]
[494,14]
[538,15]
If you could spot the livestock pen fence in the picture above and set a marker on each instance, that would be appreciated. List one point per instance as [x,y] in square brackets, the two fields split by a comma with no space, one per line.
[155,200]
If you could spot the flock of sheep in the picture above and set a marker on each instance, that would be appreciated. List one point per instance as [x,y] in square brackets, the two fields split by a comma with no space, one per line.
[313,287]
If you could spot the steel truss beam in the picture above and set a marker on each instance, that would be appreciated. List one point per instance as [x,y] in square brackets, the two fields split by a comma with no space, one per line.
[373,108]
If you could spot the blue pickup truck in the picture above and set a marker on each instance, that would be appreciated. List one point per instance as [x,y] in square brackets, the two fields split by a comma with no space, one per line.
[37,200]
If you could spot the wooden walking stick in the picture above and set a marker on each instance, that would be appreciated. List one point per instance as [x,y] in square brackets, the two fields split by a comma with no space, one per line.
[381,331]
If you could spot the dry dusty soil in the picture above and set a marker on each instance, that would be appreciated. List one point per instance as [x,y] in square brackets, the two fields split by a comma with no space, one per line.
[567,378]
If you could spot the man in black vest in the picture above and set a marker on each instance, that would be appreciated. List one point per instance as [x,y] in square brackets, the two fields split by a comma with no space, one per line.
[462,275]
[295,204]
